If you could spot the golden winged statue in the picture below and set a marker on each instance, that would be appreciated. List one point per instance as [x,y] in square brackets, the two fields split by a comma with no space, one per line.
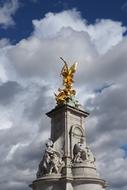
[68,73]
[67,92]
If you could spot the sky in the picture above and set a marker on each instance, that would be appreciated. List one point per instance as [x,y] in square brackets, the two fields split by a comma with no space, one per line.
[33,35]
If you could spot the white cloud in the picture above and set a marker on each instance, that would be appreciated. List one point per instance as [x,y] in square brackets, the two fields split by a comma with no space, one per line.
[52,23]
[7,10]
[104,34]
[4,42]
[30,74]
[5,124]
[3,76]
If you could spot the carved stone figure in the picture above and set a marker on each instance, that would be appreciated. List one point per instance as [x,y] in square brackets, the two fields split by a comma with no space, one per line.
[79,153]
[91,157]
[51,162]
[82,153]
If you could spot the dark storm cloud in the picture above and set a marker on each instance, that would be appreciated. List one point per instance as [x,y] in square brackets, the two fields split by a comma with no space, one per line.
[110,108]
[23,161]
[28,156]
[24,145]
[8,91]
[39,106]
[108,133]
[17,133]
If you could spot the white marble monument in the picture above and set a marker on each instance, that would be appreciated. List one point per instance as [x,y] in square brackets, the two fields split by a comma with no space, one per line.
[67,163]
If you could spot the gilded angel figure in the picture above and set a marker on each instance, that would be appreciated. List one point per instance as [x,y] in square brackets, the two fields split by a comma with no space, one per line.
[68,73]
[67,93]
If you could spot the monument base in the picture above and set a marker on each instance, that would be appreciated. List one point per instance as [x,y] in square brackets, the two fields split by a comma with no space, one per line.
[58,182]
[67,163]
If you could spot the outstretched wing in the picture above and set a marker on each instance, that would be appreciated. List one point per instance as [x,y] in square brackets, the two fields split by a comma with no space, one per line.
[73,69]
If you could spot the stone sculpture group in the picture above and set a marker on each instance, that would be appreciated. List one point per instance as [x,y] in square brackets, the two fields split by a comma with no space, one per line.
[52,160]
[82,154]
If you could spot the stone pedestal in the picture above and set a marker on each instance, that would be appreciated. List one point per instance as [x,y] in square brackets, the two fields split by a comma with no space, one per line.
[68,164]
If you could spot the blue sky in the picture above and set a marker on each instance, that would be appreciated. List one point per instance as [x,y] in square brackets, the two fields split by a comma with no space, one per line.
[33,35]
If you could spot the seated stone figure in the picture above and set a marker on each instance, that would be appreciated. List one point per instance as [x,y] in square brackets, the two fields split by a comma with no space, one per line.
[82,153]
[79,153]
[90,156]
[51,162]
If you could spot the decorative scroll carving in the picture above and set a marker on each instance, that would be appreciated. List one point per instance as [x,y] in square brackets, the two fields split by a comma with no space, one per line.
[51,162]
